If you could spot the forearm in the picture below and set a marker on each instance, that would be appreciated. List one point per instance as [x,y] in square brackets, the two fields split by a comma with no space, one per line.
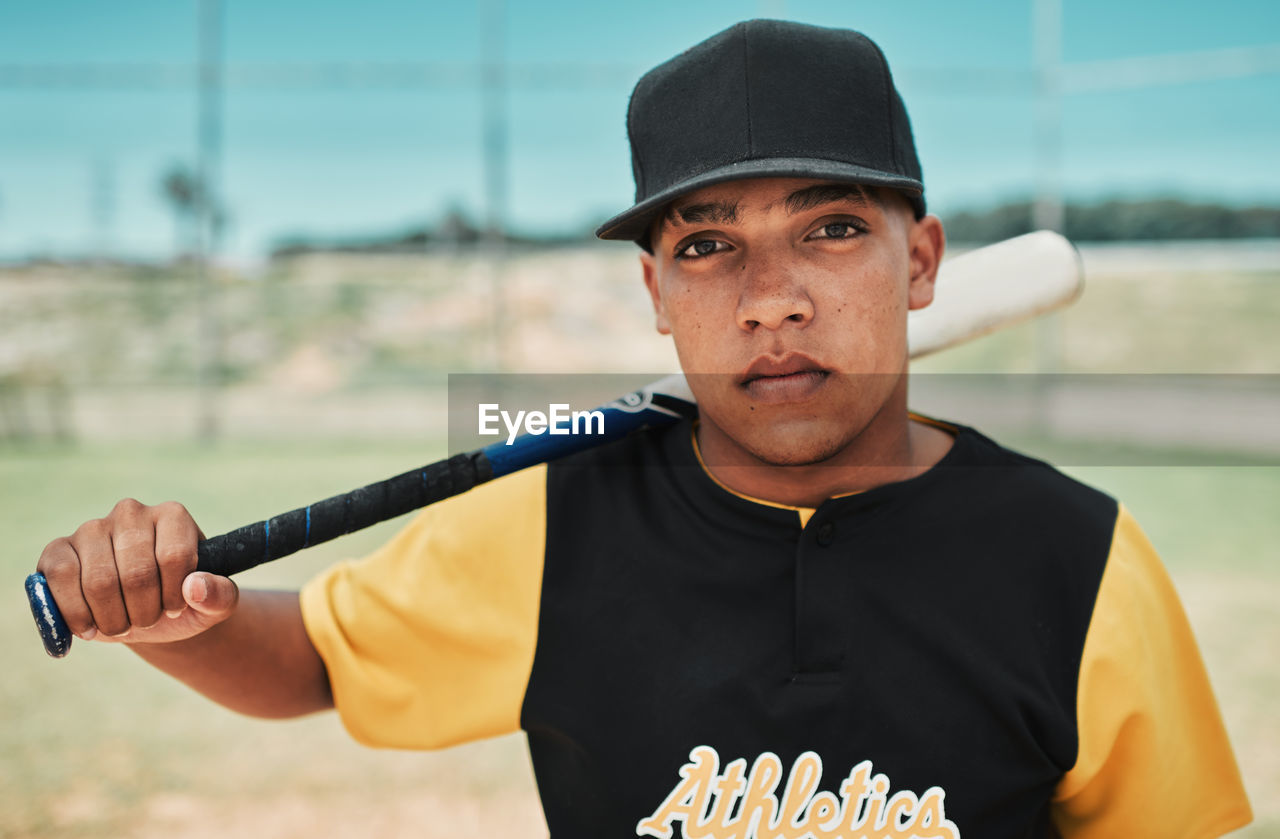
[259,661]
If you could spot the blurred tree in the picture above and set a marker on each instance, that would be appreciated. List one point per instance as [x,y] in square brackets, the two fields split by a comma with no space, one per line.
[994,225]
[457,228]
[182,190]
[186,194]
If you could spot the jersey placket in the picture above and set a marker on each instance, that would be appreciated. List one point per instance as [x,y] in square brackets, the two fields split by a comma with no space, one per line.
[822,598]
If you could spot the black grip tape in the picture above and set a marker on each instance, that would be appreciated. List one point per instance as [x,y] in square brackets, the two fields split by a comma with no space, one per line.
[254,544]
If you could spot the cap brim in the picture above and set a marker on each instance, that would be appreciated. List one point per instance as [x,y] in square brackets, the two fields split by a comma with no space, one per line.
[633,225]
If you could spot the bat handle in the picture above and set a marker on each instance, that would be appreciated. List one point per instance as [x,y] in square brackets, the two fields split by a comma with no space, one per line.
[254,544]
[54,633]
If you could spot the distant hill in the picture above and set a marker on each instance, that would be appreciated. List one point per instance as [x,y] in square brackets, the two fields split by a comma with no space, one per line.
[454,232]
[1150,219]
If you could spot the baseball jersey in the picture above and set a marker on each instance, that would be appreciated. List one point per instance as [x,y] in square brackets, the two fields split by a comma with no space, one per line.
[989,649]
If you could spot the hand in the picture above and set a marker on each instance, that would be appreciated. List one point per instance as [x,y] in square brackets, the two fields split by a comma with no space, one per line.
[131,577]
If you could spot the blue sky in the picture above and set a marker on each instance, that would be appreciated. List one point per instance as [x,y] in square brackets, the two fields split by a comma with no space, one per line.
[326,160]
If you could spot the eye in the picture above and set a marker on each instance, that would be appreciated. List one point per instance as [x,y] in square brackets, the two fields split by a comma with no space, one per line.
[837,230]
[699,248]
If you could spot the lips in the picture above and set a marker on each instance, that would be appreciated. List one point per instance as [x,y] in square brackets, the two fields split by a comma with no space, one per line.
[790,378]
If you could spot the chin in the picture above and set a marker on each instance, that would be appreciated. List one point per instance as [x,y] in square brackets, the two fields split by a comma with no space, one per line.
[802,443]
[804,433]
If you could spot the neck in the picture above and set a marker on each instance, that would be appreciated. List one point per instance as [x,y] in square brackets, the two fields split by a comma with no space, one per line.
[890,448]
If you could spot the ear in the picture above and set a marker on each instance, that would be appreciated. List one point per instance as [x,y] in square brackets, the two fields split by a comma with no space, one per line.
[926,241]
[649,266]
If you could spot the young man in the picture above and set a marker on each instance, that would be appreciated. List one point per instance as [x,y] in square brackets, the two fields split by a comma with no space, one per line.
[808,614]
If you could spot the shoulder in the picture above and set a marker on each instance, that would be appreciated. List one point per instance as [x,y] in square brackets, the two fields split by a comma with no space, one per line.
[642,458]
[1030,531]
[1031,491]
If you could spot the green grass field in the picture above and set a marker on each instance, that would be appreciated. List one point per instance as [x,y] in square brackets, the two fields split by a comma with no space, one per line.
[98,745]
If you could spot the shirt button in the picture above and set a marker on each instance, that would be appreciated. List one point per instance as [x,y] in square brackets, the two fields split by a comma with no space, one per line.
[826,534]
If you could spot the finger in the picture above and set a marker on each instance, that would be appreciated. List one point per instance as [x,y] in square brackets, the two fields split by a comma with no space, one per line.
[210,595]
[99,579]
[61,568]
[176,540]
[133,540]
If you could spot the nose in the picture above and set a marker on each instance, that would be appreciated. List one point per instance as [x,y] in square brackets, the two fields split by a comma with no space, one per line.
[772,294]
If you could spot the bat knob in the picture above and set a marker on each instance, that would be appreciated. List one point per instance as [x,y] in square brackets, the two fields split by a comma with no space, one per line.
[53,629]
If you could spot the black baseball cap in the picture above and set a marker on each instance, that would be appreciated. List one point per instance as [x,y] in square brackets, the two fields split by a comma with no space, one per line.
[766,98]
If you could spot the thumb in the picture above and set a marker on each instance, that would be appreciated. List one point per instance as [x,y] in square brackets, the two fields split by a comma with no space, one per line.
[209,594]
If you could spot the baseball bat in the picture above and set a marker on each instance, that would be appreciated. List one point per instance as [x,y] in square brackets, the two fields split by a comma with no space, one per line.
[977,293]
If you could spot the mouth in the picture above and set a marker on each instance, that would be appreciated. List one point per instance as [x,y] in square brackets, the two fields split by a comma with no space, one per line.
[791,378]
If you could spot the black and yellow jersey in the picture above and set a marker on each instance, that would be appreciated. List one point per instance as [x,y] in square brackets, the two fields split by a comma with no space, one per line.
[989,649]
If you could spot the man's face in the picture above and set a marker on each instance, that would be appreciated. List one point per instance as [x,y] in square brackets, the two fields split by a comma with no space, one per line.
[787,301]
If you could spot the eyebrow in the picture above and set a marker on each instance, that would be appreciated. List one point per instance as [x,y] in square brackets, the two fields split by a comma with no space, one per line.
[726,212]
[715,212]
[816,196]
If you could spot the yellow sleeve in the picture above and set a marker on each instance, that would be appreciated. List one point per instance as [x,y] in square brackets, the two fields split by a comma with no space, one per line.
[429,641]
[1154,759]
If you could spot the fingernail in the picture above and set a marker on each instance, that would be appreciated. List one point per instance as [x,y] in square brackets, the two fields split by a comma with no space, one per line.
[199,590]
[88,635]
[173,613]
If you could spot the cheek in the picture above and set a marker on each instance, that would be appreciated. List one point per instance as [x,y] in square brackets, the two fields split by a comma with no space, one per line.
[694,315]
[878,297]
[866,320]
